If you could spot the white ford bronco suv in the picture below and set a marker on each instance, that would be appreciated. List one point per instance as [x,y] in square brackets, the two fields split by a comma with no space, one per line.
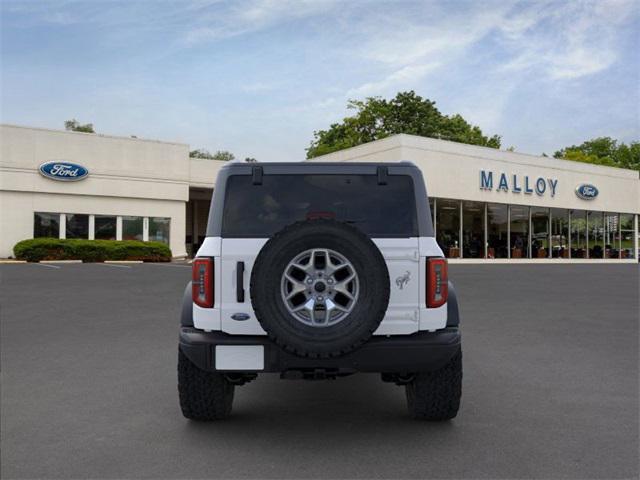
[314,271]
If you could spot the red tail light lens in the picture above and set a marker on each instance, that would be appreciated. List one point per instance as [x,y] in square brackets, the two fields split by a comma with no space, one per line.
[202,282]
[437,282]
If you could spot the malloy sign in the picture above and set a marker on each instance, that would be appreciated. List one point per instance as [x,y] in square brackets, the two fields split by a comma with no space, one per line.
[518,183]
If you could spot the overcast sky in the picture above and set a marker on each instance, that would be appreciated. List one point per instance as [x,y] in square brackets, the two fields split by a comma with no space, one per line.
[258,77]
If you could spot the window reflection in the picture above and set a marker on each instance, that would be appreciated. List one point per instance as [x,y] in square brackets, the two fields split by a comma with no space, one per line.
[159,229]
[46,225]
[105,227]
[519,231]
[626,236]
[611,235]
[539,232]
[132,228]
[497,228]
[596,235]
[578,234]
[448,231]
[559,233]
[77,226]
[472,230]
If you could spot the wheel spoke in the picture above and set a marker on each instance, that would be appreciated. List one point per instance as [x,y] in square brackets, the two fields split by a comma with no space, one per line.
[305,268]
[308,306]
[312,273]
[342,286]
[338,307]
[331,268]
[296,288]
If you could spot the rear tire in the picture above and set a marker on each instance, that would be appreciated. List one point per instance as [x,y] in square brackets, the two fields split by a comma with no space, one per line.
[435,396]
[204,396]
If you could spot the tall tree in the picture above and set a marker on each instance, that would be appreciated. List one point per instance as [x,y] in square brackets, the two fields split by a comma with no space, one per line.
[377,118]
[74,126]
[223,155]
[604,151]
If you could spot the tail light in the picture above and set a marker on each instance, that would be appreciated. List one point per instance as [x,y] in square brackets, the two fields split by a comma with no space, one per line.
[202,282]
[437,282]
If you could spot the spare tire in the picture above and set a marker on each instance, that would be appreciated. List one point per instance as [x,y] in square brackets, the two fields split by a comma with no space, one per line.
[320,288]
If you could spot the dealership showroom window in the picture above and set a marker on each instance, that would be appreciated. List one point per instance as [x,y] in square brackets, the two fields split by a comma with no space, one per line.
[101,227]
[518,231]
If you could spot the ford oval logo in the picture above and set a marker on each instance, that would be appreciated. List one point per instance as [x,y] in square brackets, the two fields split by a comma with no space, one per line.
[586,191]
[63,171]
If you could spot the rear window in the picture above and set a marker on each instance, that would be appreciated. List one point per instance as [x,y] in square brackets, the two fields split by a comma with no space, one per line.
[262,210]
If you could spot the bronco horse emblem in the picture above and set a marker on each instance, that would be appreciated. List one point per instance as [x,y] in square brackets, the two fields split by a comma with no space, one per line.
[402,280]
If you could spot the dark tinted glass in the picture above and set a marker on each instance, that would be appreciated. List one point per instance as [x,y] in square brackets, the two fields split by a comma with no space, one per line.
[472,230]
[105,227]
[519,231]
[448,227]
[262,210]
[132,228]
[497,230]
[159,229]
[77,226]
[539,232]
[46,225]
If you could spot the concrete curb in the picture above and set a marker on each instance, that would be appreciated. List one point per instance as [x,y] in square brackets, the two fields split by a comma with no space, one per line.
[6,261]
[60,261]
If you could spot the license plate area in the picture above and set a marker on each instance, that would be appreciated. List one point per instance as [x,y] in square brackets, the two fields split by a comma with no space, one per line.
[239,357]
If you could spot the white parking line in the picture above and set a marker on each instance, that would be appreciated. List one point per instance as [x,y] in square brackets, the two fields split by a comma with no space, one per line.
[170,265]
[46,265]
[112,265]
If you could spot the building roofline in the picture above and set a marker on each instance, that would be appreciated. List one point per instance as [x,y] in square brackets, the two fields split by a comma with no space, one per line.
[404,140]
[102,135]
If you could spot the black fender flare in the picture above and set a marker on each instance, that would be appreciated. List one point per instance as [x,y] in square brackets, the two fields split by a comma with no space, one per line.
[453,313]
[186,313]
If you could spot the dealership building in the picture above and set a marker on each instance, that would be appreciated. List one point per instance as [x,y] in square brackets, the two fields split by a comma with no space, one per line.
[487,205]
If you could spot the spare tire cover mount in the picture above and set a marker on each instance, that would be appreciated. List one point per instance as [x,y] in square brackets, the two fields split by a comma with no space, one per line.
[320,288]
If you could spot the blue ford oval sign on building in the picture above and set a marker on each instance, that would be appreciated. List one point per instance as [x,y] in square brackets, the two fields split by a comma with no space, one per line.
[63,171]
[586,191]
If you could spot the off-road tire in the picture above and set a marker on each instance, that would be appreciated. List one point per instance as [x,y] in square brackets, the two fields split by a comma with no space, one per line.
[334,340]
[204,396]
[435,396]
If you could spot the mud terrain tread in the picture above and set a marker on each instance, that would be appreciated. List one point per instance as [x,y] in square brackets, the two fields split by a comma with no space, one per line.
[435,396]
[204,396]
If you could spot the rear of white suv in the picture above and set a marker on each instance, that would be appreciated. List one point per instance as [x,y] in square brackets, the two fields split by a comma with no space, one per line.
[318,271]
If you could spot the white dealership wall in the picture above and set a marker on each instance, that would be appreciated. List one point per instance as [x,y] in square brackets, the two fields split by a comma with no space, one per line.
[149,178]
[452,170]
[127,177]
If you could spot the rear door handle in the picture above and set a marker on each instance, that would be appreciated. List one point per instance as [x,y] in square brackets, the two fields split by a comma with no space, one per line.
[240,282]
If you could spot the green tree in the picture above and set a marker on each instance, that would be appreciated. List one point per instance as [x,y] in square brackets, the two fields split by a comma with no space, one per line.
[377,118]
[604,151]
[74,126]
[223,155]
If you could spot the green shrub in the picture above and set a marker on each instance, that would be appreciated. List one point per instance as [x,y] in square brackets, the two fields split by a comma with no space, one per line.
[36,249]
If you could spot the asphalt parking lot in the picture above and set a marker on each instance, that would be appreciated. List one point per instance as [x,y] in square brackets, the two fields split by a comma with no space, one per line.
[89,385]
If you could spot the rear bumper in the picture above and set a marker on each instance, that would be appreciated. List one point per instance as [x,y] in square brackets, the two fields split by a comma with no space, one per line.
[422,351]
